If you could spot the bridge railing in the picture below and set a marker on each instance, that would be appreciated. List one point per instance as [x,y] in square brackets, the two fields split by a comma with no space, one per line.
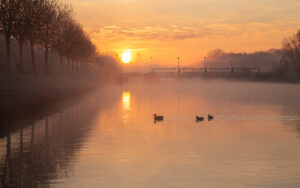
[210,69]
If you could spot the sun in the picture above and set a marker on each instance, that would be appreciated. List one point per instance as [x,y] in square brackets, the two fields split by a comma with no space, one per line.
[126,57]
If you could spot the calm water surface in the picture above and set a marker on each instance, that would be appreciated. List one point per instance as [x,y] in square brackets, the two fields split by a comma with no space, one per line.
[109,139]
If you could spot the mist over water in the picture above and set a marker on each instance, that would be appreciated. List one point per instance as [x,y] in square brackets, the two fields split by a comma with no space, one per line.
[109,138]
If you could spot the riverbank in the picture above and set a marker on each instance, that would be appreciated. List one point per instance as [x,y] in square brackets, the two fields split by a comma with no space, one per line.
[236,76]
[253,77]
[27,94]
[257,77]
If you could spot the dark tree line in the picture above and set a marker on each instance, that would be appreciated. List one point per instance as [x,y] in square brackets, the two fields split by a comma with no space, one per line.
[290,62]
[47,24]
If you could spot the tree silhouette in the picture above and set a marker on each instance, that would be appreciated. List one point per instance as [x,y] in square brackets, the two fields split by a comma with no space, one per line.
[47,31]
[291,54]
[34,23]
[48,24]
[64,16]
[21,28]
[8,12]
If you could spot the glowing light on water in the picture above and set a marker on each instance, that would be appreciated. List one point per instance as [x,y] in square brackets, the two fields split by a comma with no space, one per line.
[125,105]
[126,100]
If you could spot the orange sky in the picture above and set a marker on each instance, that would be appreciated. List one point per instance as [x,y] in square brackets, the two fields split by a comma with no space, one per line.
[165,29]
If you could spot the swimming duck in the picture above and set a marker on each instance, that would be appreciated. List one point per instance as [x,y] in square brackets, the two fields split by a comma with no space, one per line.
[198,118]
[158,118]
[210,117]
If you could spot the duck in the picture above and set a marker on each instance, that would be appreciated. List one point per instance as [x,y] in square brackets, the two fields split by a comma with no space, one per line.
[210,117]
[198,118]
[158,118]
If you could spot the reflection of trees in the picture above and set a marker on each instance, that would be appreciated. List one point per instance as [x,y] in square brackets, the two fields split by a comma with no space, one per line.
[44,151]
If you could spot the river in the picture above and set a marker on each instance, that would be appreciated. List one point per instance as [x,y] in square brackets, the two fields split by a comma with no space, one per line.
[109,138]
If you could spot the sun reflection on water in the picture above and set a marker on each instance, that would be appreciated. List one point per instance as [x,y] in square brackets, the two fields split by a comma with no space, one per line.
[126,100]
[125,105]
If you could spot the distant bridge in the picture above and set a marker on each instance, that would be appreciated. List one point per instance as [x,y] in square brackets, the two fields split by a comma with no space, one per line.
[207,69]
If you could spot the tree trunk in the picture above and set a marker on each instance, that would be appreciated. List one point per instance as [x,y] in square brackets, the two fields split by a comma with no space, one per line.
[61,60]
[46,60]
[68,66]
[80,67]
[8,70]
[20,67]
[83,67]
[76,65]
[32,58]
[72,66]
[61,63]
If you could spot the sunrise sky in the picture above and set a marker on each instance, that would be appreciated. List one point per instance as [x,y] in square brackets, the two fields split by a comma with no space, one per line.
[165,29]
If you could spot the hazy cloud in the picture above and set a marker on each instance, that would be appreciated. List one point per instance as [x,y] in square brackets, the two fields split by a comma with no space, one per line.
[173,32]
[176,33]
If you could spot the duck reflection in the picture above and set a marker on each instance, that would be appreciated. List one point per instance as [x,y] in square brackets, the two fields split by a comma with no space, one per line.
[42,153]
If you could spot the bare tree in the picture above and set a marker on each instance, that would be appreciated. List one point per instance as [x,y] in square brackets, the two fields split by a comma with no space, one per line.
[64,17]
[21,28]
[88,51]
[215,54]
[34,23]
[82,48]
[8,10]
[291,54]
[71,35]
[47,32]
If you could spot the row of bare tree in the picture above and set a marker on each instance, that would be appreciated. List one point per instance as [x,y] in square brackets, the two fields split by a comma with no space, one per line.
[48,24]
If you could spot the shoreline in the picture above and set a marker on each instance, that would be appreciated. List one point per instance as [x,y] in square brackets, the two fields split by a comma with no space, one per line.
[251,77]
[21,96]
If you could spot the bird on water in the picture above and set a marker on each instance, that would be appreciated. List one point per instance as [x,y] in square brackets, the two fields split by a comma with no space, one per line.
[210,117]
[198,118]
[158,118]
